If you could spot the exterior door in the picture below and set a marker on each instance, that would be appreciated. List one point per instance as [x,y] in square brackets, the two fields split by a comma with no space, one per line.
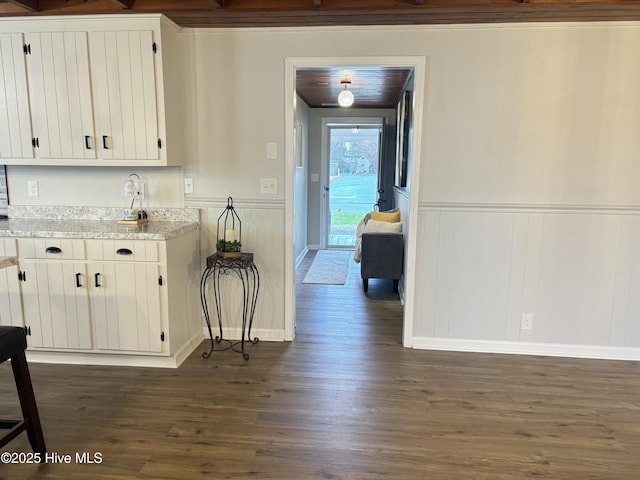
[351,178]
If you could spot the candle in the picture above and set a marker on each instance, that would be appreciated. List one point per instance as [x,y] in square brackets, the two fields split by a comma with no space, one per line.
[230,235]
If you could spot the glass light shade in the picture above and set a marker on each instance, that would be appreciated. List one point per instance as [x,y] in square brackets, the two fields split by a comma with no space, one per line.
[345,99]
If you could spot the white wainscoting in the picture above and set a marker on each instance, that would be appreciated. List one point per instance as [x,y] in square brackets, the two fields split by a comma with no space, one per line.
[576,269]
[262,234]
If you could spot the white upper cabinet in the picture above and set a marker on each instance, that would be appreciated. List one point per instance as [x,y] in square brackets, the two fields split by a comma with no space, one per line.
[15,119]
[124,93]
[94,91]
[60,92]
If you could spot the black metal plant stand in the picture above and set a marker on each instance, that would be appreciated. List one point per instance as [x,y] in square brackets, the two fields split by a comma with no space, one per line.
[244,267]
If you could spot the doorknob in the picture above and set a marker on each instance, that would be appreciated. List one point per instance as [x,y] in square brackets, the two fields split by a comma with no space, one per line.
[326,189]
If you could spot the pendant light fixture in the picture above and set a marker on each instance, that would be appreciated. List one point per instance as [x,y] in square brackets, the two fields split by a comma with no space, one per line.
[345,99]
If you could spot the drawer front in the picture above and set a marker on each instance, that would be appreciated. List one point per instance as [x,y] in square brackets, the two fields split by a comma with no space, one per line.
[123,250]
[51,248]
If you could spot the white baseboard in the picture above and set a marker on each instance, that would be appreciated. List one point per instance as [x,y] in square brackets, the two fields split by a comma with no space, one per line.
[117,359]
[301,257]
[104,359]
[182,354]
[313,247]
[264,334]
[527,348]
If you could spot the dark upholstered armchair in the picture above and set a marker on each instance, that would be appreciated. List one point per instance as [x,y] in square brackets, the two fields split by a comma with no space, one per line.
[381,256]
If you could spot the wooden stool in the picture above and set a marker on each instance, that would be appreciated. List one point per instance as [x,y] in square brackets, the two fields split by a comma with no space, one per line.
[13,343]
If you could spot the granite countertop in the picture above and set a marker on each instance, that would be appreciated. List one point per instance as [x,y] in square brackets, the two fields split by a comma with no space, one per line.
[7,262]
[94,229]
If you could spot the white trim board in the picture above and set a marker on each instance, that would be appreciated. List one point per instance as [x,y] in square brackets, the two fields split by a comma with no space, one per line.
[530,208]
[419,65]
[301,256]
[527,348]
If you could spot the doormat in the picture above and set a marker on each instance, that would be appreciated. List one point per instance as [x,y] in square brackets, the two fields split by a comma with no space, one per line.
[329,267]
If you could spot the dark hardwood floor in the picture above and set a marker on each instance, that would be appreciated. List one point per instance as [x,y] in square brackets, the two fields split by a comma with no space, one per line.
[343,401]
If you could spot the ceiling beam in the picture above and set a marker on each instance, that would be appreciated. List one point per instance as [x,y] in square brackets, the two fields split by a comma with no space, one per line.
[31,5]
[217,3]
[126,4]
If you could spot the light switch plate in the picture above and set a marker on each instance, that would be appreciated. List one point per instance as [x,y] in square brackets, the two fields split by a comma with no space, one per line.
[272,151]
[269,186]
[315,177]
[188,185]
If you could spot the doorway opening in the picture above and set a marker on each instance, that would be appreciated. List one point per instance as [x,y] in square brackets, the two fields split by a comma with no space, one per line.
[351,166]
[417,64]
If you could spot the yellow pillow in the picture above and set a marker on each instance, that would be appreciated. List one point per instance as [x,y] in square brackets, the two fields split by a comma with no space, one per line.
[392,217]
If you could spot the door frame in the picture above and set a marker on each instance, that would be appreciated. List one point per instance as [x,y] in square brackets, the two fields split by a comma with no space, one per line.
[418,64]
[365,122]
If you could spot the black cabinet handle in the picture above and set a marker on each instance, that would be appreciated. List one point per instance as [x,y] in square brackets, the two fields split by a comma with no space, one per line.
[124,251]
[78,277]
[53,250]
[105,142]
[97,278]
[87,142]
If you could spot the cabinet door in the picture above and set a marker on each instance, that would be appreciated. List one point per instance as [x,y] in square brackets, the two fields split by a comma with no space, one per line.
[15,118]
[60,91]
[124,92]
[56,304]
[125,303]
[10,300]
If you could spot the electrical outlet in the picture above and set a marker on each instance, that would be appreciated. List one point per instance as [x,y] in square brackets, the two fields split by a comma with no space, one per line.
[269,186]
[188,185]
[32,188]
[527,321]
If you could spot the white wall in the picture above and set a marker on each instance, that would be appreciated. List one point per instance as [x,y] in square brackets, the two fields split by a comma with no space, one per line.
[534,119]
[538,115]
[301,184]
[94,186]
[528,196]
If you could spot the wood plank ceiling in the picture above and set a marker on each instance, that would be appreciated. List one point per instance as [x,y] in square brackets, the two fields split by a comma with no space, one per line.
[241,13]
[372,87]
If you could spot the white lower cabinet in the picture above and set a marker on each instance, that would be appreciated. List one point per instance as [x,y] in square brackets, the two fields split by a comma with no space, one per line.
[126,305]
[112,302]
[55,298]
[56,304]
[10,301]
